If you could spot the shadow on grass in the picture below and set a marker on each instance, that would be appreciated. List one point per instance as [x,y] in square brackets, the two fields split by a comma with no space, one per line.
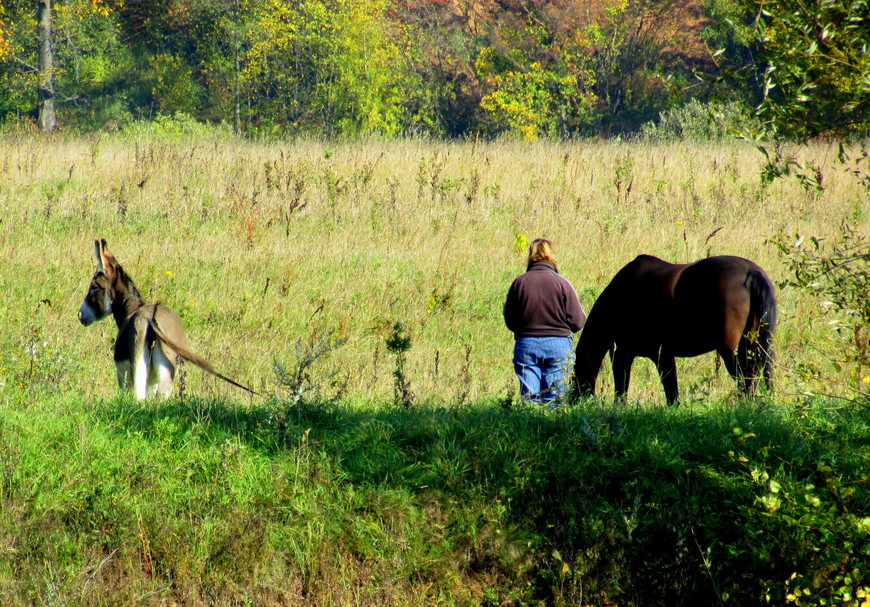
[645,506]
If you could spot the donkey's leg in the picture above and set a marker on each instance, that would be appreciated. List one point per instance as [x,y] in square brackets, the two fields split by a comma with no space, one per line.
[621,364]
[164,371]
[125,374]
[141,370]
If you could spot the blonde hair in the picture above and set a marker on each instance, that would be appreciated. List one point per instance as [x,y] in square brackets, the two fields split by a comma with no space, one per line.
[541,249]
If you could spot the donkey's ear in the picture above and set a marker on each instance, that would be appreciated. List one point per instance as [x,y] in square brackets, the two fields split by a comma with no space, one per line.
[98,251]
[107,262]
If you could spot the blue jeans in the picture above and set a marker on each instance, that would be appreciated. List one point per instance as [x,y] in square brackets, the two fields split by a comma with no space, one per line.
[541,364]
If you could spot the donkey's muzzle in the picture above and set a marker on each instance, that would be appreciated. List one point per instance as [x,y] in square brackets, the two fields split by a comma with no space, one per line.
[86,315]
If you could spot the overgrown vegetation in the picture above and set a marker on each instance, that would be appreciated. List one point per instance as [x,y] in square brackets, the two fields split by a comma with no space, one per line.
[696,121]
[837,272]
[540,68]
[389,462]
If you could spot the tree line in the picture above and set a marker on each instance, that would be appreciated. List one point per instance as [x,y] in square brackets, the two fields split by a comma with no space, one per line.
[441,68]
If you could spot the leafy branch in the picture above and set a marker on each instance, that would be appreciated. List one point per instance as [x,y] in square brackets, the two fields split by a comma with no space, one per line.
[837,273]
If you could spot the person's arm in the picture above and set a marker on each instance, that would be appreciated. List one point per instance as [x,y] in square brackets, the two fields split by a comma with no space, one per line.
[509,311]
[574,313]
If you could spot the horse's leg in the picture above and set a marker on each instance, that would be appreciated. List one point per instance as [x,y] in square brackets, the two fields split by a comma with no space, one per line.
[621,364]
[735,353]
[745,368]
[667,368]
[768,371]
[730,360]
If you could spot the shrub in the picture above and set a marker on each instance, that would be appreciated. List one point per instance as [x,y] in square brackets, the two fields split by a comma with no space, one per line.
[696,121]
[837,273]
[177,126]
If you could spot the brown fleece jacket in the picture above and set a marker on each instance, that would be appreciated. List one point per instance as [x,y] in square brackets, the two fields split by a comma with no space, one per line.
[541,303]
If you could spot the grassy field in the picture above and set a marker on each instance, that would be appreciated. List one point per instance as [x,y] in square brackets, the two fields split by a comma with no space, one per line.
[261,246]
[331,489]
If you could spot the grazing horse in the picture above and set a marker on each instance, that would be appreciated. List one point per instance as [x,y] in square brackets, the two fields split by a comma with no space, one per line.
[661,310]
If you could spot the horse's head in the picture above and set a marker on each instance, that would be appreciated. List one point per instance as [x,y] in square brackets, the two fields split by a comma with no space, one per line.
[585,375]
[595,341]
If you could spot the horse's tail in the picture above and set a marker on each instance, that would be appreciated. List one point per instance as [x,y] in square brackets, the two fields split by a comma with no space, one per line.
[755,353]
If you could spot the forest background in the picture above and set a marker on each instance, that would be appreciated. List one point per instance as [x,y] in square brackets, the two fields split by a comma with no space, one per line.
[442,68]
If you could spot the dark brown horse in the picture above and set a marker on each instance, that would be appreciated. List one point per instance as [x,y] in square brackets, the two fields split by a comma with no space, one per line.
[661,310]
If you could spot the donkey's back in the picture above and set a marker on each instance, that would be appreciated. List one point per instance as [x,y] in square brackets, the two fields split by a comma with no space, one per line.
[145,361]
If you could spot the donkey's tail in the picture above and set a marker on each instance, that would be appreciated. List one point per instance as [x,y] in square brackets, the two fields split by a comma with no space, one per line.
[756,346]
[196,359]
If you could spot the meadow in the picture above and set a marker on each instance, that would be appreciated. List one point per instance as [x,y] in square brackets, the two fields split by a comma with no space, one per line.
[357,286]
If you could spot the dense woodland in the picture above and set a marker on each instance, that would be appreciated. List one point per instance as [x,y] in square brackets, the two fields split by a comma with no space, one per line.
[442,68]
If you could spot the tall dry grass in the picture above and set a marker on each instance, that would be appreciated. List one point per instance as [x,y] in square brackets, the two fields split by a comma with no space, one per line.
[261,246]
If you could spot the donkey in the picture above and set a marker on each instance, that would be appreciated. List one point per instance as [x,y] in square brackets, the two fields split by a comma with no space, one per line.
[151,341]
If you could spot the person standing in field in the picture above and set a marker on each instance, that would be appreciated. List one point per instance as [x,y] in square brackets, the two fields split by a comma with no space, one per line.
[543,311]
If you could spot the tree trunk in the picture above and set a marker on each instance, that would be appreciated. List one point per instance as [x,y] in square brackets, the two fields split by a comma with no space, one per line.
[237,68]
[47,119]
[237,109]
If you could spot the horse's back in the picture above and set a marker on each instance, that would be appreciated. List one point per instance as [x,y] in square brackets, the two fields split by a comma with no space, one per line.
[720,277]
[712,298]
[646,277]
[690,308]
[716,282]
[635,303]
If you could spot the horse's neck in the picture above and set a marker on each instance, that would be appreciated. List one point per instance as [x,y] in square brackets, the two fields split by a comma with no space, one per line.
[126,300]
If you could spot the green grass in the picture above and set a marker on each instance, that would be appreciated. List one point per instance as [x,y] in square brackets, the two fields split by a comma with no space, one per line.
[206,502]
[326,490]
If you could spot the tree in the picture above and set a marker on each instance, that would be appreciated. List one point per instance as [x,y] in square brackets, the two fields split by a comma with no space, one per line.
[54,57]
[47,119]
[332,66]
[562,68]
[196,52]
[443,37]
[5,46]
[815,56]
[536,74]
[812,62]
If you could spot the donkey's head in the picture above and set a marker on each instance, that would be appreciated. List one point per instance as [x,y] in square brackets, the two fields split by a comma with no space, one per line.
[101,292]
